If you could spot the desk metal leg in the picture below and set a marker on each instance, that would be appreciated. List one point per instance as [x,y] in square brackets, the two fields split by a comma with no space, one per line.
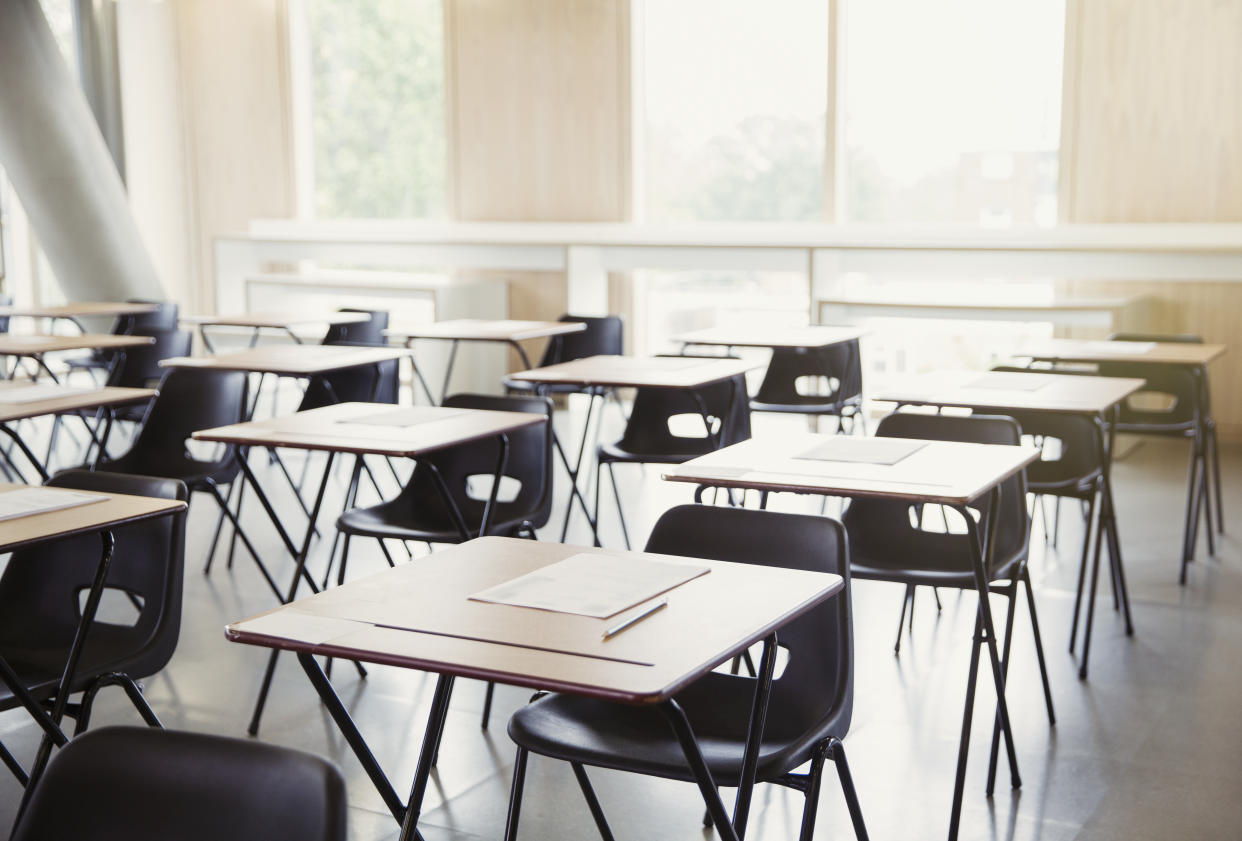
[298,574]
[575,492]
[26,451]
[65,686]
[980,549]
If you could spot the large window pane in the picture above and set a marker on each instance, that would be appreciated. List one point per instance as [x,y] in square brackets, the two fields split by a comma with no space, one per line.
[735,95]
[951,110]
[376,91]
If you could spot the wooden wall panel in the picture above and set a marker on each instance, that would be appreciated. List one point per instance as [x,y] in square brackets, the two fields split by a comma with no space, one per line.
[538,120]
[1152,132]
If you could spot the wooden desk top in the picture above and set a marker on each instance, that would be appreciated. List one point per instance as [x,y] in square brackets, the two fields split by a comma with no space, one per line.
[484,330]
[419,616]
[290,361]
[812,336]
[639,372]
[274,320]
[66,399]
[1076,350]
[86,309]
[943,472]
[115,510]
[34,344]
[1036,391]
[331,429]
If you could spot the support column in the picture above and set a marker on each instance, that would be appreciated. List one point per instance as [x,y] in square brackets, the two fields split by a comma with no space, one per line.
[55,156]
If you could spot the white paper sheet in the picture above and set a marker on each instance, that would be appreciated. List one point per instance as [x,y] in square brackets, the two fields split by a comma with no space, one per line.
[591,584]
[402,417]
[884,451]
[22,502]
[40,391]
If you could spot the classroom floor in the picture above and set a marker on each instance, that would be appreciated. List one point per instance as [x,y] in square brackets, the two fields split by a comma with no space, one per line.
[1145,749]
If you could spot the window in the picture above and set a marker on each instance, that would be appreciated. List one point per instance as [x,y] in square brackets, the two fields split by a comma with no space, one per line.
[951,111]
[734,100]
[370,81]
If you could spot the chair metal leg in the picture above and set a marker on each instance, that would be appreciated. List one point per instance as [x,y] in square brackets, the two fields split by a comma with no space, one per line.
[837,752]
[588,793]
[906,598]
[254,553]
[487,704]
[959,783]
[15,767]
[1086,636]
[810,795]
[1114,555]
[1039,645]
[1011,592]
[515,794]
[616,495]
[1188,543]
[1090,528]
[1216,485]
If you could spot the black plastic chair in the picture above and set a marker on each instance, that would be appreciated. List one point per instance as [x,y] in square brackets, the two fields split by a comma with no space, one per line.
[420,511]
[603,336]
[648,438]
[162,318]
[6,300]
[837,367]
[888,540]
[192,399]
[1072,466]
[141,367]
[40,588]
[811,701]
[1187,414]
[370,332]
[154,785]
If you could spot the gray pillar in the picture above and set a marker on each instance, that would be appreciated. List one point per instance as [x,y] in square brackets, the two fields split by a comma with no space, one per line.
[54,155]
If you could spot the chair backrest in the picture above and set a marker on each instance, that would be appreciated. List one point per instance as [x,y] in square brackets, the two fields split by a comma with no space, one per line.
[148,784]
[140,367]
[603,336]
[190,399]
[725,403]
[1175,396]
[838,366]
[41,586]
[369,332]
[891,530]
[163,317]
[6,300]
[529,463]
[377,383]
[816,685]
[1072,445]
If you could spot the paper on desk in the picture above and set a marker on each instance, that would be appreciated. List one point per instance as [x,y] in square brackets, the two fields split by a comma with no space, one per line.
[22,502]
[885,451]
[40,391]
[403,417]
[1012,381]
[592,584]
[1120,347]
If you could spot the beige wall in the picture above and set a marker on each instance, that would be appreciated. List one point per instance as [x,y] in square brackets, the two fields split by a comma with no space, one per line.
[208,128]
[538,120]
[1152,132]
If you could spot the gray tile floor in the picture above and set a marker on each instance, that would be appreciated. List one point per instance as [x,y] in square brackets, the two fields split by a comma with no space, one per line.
[1146,749]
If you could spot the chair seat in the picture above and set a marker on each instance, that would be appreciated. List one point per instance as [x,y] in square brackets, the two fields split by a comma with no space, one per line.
[639,739]
[615,452]
[1177,430]
[397,521]
[552,388]
[809,408]
[39,665]
[195,474]
[905,571]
